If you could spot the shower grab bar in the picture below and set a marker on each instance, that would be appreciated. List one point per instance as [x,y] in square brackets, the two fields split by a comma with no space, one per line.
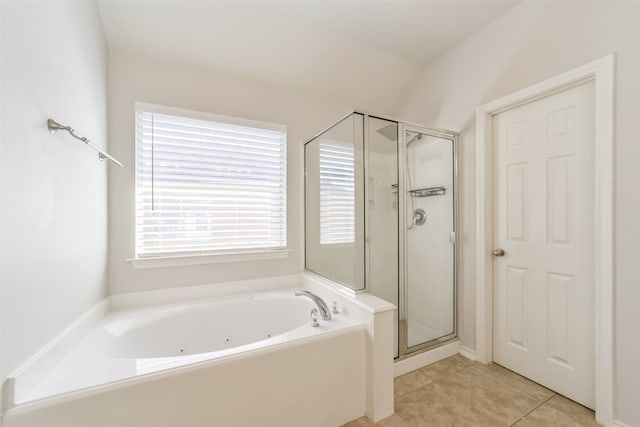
[54,127]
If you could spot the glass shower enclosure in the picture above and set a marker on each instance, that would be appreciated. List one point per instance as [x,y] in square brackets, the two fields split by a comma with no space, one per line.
[380,217]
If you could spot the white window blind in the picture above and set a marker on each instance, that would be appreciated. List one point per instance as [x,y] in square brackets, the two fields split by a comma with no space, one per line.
[205,186]
[337,187]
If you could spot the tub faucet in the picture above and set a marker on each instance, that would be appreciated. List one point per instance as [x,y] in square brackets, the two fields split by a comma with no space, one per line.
[322,306]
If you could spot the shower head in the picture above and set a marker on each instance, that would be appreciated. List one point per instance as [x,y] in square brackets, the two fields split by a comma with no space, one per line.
[390,132]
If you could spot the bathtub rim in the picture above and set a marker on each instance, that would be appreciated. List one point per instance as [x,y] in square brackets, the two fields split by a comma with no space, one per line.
[301,280]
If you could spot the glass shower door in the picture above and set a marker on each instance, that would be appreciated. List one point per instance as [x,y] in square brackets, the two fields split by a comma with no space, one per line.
[429,237]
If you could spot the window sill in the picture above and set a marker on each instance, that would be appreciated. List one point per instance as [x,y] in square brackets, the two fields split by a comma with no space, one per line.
[227,257]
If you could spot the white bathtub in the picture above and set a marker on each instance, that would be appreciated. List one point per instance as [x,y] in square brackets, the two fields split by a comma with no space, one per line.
[249,358]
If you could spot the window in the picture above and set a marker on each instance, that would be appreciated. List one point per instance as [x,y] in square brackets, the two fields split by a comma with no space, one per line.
[207,184]
[337,187]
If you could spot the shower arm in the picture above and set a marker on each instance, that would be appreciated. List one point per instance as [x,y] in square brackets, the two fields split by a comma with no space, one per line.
[54,127]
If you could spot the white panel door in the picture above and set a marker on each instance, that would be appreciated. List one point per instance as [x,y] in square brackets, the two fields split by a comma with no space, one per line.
[543,319]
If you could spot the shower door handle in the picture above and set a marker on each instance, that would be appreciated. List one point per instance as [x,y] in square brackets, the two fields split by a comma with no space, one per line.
[499,252]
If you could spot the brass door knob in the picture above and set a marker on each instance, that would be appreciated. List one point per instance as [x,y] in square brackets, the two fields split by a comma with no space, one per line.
[498,252]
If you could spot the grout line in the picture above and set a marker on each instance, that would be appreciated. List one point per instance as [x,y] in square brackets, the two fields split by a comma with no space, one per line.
[542,403]
[396,397]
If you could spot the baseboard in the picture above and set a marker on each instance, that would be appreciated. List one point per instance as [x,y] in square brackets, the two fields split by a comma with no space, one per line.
[617,423]
[468,353]
[418,361]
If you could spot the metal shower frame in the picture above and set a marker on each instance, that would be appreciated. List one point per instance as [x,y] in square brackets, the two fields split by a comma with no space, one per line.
[402,127]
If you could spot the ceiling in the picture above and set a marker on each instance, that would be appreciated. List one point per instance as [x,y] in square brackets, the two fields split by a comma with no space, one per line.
[363,53]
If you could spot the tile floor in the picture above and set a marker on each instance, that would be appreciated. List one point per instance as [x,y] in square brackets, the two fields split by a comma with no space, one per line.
[459,392]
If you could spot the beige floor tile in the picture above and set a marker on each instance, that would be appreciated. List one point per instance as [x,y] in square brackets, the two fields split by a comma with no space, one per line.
[459,392]
[445,367]
[433,405]
[423,376]
[409,382]
[560,411]
[516,381]
[490,396]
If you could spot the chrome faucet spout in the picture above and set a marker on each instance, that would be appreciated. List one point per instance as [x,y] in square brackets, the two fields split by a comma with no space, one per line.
[325,313]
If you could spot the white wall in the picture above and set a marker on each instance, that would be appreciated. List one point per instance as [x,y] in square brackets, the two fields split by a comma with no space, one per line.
[530,43]
[135,78]
[54,189]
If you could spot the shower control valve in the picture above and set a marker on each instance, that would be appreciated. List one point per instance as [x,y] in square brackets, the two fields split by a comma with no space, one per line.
[315,316]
